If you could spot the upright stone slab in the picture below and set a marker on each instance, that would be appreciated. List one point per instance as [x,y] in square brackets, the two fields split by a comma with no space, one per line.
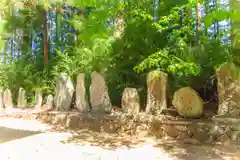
[64,93]
[1,99]
[7,99]
[99,98]
[49,103]
[21,102]
[81,100]
[130,101]
[228,84]
[38,99]
[157,92]
[188,103]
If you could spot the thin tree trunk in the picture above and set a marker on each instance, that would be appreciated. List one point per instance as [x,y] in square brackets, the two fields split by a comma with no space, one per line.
[198,20]
[45,38]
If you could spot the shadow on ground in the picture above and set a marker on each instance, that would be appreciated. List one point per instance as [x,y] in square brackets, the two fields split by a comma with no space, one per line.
[9,134]
[104,140]
[199,152]
[178,149]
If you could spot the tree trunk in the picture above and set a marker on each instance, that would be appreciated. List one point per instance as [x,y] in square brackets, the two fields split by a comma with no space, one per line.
[198,20]
[45,38]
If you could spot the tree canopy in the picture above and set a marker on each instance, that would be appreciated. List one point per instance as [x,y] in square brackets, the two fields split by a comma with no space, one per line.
[122,39]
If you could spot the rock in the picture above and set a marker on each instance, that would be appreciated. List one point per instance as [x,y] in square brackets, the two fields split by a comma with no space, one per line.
[38,99]
[130,101]
[49,101]
[228,78]
[223,138]
[157,91]
[1,100]
[48,106]
[7,99]
[188,103]
[64,93]
[21,101]
[170,131]
[81,100]
[99,98]
[235,136]
[72,121]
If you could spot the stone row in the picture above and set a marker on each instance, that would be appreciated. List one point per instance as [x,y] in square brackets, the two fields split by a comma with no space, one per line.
[186,101]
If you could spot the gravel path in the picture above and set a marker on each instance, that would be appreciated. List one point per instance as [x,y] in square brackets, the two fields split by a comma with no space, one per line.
[30,139]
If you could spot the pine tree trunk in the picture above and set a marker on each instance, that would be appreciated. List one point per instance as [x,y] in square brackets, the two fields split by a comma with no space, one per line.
[45,38]
[198,20]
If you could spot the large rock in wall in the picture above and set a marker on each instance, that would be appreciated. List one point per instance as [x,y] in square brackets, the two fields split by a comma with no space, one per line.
[81,100]
[157,92]
[228,84]
[64,93]
[130,101]
[188,103]
[7,99]
[99,98]
[21,101]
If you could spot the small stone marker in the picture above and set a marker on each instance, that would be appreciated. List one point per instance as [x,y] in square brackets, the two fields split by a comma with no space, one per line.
[99,98]
[21,102]
[64,93]
[130,101]
[49,103]
[1,99]
[7,99]
[228,84]
[188,103]
[157,92]
[81,101]
[38,99]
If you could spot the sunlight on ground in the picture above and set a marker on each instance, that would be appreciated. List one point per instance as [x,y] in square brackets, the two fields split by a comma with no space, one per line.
[49,145]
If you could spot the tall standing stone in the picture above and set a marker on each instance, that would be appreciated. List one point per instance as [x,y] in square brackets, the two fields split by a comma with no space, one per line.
[99,97]
[7,99]
[81,99]
[21,102]
[188,103]
[130,101]
[1,99]
[157,92]
[228,84]
[64,93]
[38,99]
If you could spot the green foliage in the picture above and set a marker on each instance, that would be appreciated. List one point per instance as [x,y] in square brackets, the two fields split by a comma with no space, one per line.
[161,37]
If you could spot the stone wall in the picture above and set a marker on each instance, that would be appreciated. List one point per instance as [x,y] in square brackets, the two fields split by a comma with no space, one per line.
[97,112]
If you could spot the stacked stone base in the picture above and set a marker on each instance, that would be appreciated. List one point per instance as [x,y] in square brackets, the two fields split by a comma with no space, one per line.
[203,130]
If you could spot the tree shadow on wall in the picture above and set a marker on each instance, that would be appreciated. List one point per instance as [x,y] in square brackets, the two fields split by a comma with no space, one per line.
[9,134]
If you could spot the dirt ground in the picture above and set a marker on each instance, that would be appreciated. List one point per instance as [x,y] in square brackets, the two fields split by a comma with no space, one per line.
[29,139]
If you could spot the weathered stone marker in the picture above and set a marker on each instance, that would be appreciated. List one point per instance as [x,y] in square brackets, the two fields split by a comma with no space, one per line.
[99,98]
[49,103]
[64,93]
[7,99]
[188,103]
[157,92]
[38,99]
[228,84]
[81,100]
[130,101]
[1,99]
[21,101]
